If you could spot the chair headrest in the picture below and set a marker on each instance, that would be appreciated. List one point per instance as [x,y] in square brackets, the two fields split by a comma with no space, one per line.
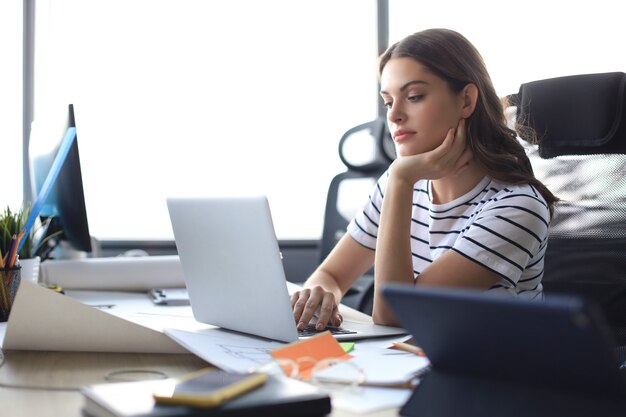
[575,115]
[367,147]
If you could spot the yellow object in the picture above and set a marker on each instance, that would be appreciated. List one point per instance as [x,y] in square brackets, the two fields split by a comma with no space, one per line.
[209,387]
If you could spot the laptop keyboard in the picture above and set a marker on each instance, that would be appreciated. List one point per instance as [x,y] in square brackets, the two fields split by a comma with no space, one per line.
[310,330]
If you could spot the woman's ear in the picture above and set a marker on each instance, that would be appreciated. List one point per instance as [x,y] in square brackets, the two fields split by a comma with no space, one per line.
[469,94]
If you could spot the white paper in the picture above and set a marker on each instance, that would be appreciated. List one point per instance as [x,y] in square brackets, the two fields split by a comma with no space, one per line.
[230,351]
[114,273]
[240,353]
[382,366]
[362,400]
[137,307]
[381,342]
[42,319]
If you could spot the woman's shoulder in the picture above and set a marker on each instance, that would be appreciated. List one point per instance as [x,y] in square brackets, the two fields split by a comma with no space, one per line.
[518,195]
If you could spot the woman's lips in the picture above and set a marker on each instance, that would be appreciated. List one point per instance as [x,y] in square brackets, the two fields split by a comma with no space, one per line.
[402,135]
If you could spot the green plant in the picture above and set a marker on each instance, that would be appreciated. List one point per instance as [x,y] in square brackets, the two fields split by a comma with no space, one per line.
[11,224]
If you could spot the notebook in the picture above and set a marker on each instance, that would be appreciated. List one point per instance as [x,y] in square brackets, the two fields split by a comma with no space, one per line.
[503,356]
[279,396]
[233,269]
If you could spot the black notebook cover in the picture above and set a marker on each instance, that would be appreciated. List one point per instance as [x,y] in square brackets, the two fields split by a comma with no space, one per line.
[279,396]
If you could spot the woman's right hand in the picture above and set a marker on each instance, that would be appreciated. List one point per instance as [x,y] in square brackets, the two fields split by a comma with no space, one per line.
[312,302]
[451,157]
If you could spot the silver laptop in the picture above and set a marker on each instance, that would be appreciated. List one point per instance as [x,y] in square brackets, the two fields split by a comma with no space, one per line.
[233,269]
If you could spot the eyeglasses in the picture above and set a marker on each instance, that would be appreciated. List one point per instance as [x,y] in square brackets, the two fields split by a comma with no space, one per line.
[319,372]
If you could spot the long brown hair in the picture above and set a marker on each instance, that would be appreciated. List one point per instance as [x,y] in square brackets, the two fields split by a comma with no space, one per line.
[450,56]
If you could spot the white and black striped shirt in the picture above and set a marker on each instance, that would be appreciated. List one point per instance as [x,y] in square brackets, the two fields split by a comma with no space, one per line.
[501,227]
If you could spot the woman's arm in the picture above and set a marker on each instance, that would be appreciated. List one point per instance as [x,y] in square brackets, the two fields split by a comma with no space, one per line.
[393,258]
[393,247]
[454,270]
[325,287]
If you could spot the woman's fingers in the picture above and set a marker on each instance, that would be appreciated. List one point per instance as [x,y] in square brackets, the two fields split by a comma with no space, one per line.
[327,311]
[314,301]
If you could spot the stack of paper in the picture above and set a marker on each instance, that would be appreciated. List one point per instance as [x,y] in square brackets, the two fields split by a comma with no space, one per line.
[114,273]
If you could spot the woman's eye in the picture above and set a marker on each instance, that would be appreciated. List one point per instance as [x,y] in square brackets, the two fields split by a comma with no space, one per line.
[388,104]
[416,97]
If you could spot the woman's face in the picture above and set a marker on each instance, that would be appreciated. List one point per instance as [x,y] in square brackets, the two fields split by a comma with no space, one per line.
[421,108]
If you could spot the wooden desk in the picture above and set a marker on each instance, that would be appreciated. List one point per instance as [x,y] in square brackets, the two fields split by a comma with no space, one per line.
[46,384]
[55,379]
[60,375]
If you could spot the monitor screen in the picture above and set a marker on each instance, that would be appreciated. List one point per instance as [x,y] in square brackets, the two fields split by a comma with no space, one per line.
[63,212]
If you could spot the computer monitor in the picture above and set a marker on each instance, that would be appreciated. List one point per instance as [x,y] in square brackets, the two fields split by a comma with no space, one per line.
[63,211]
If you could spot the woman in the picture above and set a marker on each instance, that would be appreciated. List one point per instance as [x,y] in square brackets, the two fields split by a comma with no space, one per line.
[459,207]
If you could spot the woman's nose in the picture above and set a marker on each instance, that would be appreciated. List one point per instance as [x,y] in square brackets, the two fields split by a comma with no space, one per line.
[395,114]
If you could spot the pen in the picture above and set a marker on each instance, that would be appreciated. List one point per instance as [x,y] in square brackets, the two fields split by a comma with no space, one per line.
[4,303]
[406,347]
[12,256]
[12,252]
[5,296]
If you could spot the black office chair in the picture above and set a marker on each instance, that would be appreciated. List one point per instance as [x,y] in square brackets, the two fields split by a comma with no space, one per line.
[366,150]
[581,156]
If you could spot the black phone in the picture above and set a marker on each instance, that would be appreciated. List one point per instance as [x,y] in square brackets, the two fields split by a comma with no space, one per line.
[209,387]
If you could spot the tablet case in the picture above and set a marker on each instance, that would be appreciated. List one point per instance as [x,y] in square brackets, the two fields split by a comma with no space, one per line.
[494,355]
[279,396]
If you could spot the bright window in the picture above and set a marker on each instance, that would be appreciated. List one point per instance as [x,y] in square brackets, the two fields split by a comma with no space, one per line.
[11,103]
[195,97]
[526,41]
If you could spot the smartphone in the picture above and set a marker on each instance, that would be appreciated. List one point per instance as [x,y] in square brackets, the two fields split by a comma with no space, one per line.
[209,387]
[169,296]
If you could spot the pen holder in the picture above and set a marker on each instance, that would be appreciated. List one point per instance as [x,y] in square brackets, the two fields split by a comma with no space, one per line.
[9,282]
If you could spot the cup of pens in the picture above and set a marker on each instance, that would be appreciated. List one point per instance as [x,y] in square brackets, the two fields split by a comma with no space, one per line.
[15,242]
[10,278]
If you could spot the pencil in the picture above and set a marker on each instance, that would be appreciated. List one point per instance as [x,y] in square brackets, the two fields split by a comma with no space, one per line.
[407,347]
[4,293]
[12,251]
[3,285]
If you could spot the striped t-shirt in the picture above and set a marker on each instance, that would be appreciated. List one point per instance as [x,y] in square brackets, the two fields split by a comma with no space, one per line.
[501,227]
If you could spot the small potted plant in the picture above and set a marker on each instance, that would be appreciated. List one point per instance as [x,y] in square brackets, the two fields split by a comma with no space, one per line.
[11,234]
[11,224]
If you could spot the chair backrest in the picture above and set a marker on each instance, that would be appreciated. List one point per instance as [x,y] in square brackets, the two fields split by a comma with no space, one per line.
[581,156]
[366,150]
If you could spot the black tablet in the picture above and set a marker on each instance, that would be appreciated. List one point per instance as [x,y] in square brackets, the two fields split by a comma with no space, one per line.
[562,342]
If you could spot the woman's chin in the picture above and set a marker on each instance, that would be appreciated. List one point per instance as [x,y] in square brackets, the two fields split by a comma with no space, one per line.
[416,149]
[405,151]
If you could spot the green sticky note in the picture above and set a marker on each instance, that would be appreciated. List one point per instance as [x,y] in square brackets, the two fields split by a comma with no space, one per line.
[347,346]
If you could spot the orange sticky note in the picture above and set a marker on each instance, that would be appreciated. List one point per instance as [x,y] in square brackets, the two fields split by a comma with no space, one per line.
[307,352]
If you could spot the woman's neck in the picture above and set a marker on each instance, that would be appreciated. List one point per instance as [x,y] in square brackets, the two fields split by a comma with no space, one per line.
[450,188]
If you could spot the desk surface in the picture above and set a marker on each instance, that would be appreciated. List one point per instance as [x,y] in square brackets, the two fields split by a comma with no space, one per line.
[47,384]
[42,383]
